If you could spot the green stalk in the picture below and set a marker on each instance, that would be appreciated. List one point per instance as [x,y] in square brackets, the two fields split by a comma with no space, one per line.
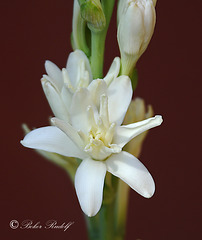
[107,220]
[97,56]
[101,227]
[78,37]
[98,41]
[93,227]
[121,209]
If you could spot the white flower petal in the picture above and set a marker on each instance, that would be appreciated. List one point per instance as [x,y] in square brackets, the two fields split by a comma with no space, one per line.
[113,71]
[125,133]
[119,97]
[97,88]
[80,102]
[66,96]
[149,24]
[131,30]
[122,5]
[54,73]
[52,139]
[73,65]
[89,182]
[133,172]
[69,131]
[55,101]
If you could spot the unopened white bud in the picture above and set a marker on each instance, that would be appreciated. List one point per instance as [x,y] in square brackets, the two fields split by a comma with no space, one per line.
[136,21]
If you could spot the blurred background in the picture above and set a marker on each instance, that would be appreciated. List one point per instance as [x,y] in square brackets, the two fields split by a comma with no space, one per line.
[169,79]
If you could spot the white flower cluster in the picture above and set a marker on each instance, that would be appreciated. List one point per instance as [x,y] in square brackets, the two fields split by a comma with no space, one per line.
[87,125]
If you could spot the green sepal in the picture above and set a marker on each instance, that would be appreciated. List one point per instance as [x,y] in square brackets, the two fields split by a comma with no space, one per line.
[134,78]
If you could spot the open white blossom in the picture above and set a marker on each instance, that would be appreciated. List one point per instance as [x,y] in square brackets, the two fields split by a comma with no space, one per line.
[94,134]
[59,86]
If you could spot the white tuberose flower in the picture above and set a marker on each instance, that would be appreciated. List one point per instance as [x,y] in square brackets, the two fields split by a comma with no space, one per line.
[59,86]
[94,135]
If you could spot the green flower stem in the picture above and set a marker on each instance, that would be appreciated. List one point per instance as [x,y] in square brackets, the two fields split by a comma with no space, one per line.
[81,32]
[108,7]
[121,208]
[98,41]
[93,226]
[101,226]
[104,225]
[97,53]
[78,37]
[107,221]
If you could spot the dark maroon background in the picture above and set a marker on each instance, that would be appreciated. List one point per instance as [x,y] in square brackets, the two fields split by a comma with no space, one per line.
[169,79]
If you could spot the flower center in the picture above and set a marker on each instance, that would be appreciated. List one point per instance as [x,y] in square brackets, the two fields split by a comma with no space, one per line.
[98,141]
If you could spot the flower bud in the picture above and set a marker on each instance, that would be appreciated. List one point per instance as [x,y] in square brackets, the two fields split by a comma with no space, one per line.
[136,21]
[92,13]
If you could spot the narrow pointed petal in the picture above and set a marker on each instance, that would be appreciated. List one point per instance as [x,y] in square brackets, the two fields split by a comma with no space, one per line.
[52,139]
[104,113]
[89,182]
[131,171]
[73,65]
[54,73]
[55,101]
[78,112]
[113,71]
[69,131]
[125,133]
[66,96]
[119,97]
[97,88]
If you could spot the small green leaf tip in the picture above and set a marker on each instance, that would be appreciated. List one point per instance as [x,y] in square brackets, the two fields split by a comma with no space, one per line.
[92,13]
